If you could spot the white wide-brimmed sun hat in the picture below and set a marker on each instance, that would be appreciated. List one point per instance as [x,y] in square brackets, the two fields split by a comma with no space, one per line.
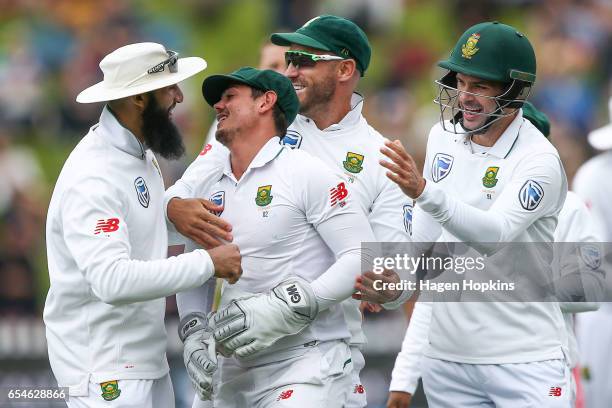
[601,139]
[138,68]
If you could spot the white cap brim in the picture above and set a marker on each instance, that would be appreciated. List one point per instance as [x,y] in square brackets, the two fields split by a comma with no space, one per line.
[187,67]
[601,139]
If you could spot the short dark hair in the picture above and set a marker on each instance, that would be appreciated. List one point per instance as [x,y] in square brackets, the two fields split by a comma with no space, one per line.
[280,120]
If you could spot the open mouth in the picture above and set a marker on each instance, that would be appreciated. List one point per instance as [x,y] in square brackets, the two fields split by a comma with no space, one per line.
[221,117]
[471,113]
[298,87]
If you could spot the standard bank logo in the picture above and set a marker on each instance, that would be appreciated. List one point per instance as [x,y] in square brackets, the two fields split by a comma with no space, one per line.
[441,166]
[408,218]
[142,192]
[218,198]
[591,255]
[531,195]
[292,139]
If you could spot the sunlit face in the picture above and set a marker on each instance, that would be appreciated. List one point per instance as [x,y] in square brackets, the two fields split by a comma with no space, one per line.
[273,57]
[314,85]
[236,110]
[476,107]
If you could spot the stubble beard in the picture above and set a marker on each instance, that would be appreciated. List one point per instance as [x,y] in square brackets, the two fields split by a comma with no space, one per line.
[226,136]
[318,97]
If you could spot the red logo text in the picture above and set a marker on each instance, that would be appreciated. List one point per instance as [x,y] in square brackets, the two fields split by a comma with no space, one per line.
[109,225]
[285,395]
[554,392]
[338,193]
[206,149]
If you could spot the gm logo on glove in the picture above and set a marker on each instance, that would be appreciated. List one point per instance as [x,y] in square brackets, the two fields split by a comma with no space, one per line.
[293,295]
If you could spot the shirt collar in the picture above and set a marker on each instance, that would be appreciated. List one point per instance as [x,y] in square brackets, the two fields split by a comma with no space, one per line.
[118,136]
[266,154]
[506,141]
[350,119]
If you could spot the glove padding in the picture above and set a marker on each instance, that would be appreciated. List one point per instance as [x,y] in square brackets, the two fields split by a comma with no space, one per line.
[248,325]
[199,353]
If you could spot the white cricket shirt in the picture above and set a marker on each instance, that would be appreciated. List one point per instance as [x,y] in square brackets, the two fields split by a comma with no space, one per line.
[293,216]
[512,191]
[575,225]
[353,147]
[106,247]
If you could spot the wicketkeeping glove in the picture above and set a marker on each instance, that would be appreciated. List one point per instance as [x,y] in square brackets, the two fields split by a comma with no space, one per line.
[199,353]
[248,325]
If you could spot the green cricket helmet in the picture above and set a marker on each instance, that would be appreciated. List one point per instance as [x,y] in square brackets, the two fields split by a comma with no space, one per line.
[491,51]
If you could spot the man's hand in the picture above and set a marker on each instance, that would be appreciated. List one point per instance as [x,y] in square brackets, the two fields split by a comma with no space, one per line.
[226,259]
[403,169]
[399,399]
[192,217]
[248,325]
[199,353]
[365,285]
[370,307]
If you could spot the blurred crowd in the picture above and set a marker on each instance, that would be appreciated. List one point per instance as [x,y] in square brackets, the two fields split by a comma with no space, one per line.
[50,49]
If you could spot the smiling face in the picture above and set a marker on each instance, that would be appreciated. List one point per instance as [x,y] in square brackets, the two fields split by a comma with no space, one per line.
[236,111]
[314,85]
[475,98]
[159,131]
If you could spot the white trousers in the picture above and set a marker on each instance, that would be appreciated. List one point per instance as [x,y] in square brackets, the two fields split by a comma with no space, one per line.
[128,394]
[357,393]
[544,384]
[318,377]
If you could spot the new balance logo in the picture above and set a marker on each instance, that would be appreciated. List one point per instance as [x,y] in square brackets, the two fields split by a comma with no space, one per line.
[554,392]
[110,225]
[294,294]
[338,194]
[206,149]
[285,395]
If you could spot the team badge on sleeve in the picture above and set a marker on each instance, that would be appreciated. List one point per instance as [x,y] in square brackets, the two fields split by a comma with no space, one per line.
[489,180]
[142,192]
[441,166]
[110,390]
[264,196]
[353,162]
[531,195]
[292,139]
[218,198]
[591,255]
[408,218]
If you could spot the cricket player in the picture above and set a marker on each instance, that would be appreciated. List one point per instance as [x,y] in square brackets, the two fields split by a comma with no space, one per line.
[327,57]
[575,225]
[594,330]
[281,328]
[489,177]
[270,57]
[107,238]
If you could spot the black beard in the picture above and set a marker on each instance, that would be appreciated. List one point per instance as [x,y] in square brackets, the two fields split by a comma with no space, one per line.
[161,134]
